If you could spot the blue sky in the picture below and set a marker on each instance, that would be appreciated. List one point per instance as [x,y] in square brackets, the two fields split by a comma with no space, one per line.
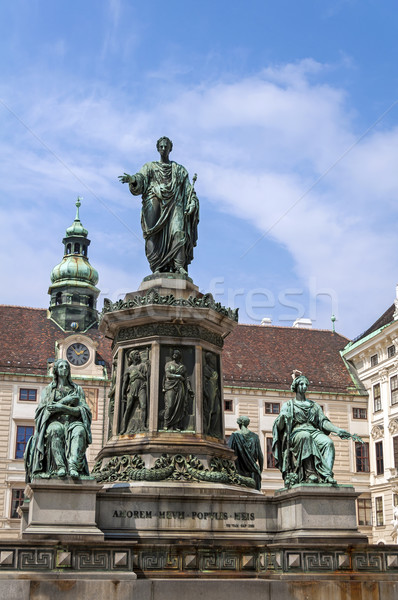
[288,113]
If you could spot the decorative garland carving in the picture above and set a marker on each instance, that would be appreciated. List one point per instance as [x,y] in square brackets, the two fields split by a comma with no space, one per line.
[168,330]
[176,467]
[153,297]
[377,432]
[393,426]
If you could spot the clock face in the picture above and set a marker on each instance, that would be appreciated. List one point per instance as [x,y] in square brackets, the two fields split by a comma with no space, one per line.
[77,354]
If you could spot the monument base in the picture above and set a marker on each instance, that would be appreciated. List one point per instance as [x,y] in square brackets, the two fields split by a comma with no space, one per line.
[308,513]
[62,509]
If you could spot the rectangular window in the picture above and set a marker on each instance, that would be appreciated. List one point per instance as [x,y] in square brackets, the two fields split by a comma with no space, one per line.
[360,413]
[272,408]
[362,457]
[391,351]
[364,506]
[394,389]
[379,458]
[16,501]
[228,405]
[376,397]
[395,447]
[24,432]
[270,456]
[374,360]
[379,511]
[27,395]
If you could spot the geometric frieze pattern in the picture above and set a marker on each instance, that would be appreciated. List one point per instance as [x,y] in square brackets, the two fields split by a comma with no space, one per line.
[187,560]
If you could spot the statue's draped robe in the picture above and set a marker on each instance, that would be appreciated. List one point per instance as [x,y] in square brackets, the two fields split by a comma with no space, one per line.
[176,395]
[301,444]
[38,456]
[170,235]
[249,461]
[211,401]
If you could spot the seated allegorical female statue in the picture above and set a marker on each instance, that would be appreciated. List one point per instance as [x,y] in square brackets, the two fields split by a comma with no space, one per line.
[302,448]
[62,429]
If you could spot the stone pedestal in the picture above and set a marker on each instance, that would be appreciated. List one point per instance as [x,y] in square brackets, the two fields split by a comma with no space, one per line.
[317,513]
[166,314]
[62,510]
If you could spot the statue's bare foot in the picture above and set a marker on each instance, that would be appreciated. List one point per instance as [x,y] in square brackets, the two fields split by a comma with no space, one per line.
[61,472]
[313,479]
[73,473]
[330,480]
[182,271]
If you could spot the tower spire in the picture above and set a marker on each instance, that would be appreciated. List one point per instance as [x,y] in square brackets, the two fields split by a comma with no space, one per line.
[73,292]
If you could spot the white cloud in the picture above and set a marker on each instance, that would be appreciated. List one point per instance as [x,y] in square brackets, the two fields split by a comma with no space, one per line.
[258,145]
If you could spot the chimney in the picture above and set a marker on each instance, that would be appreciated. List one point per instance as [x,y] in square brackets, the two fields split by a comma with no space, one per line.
[303,323]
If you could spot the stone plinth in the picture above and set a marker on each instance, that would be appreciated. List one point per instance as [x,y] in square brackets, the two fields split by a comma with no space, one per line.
[164,512]
[62,509]
[310,513]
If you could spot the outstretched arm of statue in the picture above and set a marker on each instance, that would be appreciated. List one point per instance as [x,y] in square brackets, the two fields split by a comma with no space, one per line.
[126,178]
[342,433]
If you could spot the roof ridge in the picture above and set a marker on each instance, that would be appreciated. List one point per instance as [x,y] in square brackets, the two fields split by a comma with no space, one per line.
[20,306]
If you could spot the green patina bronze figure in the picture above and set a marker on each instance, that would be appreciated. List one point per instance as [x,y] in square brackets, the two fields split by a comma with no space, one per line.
[302,448]
[135,394]
[211,397]
[247,447]
[62,430]
[177,390]
[170,211]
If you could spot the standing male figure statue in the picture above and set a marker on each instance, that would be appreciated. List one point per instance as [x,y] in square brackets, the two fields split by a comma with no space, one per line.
[170,211]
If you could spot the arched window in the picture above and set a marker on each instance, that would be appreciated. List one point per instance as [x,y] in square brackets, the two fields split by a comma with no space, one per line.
[77,248]
[84,250]
[68,249]
[58,298]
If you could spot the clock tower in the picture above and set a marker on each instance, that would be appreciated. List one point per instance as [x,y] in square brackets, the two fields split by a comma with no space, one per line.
[73,290]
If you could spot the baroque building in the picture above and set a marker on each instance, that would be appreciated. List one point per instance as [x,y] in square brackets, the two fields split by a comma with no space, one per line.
[374,357]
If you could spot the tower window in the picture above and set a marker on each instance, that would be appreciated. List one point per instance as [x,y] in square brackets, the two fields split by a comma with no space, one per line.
[68,249]
[58,298]
[84,250]
[77,248]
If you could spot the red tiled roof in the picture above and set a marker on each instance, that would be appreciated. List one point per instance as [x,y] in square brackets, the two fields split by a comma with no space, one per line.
[27,340]
[265,356]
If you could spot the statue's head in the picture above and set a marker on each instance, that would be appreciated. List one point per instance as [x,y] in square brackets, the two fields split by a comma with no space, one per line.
[243,421]
[135,356]
[176,354]
[301,381]
[167,140]
[210,359]
[61,368]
